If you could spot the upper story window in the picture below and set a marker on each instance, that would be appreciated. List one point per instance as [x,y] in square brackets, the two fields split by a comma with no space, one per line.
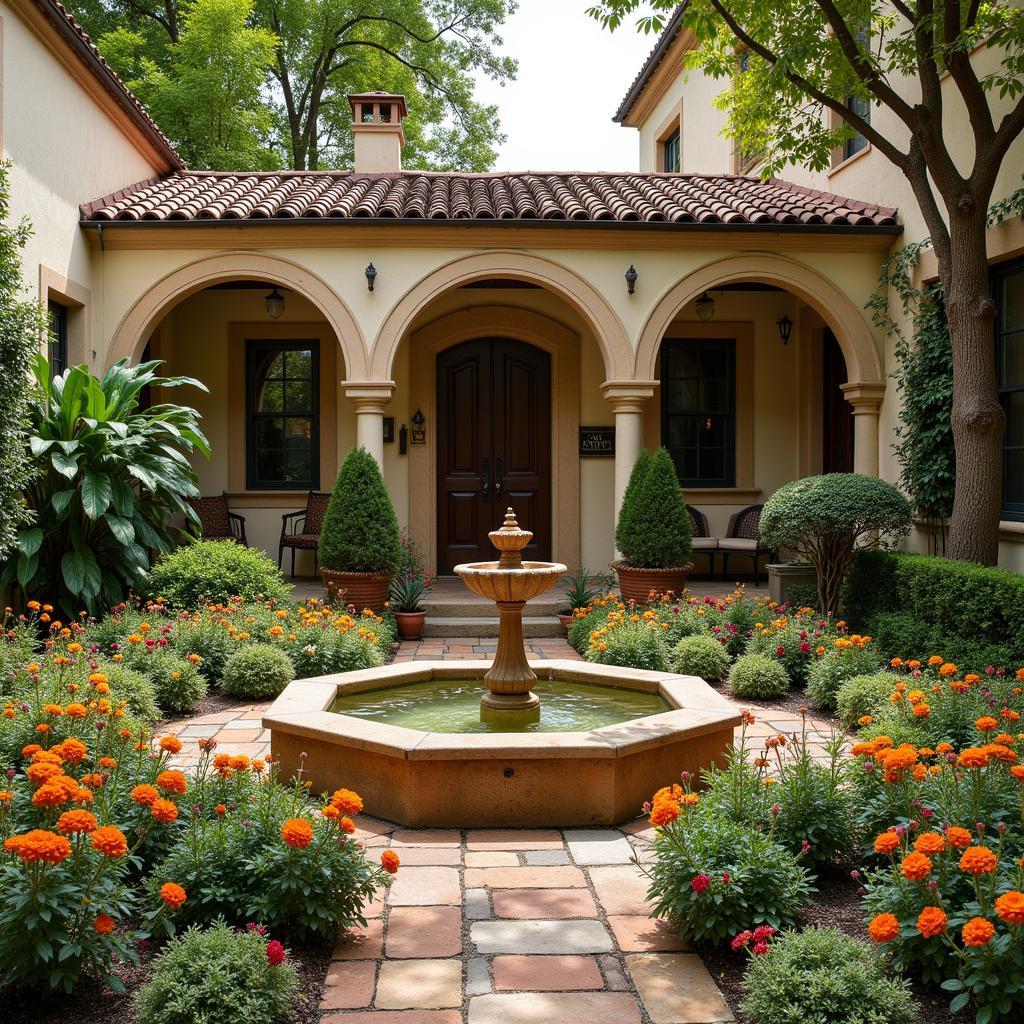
[671,153]
[698,410]
[861,107]
[283,415]
[746,157]
[58,347]
[1008,289]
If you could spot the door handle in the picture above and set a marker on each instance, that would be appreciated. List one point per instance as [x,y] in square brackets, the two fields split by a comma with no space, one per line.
[485,472]
[499,476]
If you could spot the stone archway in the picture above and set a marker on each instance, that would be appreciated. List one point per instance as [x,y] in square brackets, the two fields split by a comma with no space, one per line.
[138,323]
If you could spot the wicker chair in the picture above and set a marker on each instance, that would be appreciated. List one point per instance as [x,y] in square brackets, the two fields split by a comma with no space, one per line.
[216,520]
[744,538]
[300,530]
[703,543]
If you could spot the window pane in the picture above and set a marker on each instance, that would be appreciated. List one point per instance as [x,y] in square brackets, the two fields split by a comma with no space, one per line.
[712,464]
[1013,479]
[1011,358]
[299,466]
[299,396]
[1012,301]
[269,432]
[684,395]
[298,363]
[298,432]
[1014,405]
[714,396]
[714,362]
[690,464]
[712,431]
[269,465]
[270,396]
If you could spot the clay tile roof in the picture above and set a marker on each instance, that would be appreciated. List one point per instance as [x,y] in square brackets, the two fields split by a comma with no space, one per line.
[654,59]
[575,198]
[79,42]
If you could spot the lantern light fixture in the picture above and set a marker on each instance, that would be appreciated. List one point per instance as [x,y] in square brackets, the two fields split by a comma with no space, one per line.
[631,276]
[705,307]
[274,303]
[371,276]
[785,326]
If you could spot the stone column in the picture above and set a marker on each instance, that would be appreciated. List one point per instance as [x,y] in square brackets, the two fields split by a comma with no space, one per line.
[370,399]
[866,400]
[627,399]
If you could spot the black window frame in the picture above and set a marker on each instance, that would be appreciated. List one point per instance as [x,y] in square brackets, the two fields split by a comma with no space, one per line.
[857,143]
[57,342]
[999,273]
[672,147]
[256,351]
[727,345]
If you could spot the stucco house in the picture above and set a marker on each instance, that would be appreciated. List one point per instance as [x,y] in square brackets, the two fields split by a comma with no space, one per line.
[466,328]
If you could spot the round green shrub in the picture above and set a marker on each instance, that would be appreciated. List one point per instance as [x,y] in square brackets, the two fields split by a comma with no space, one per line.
[336,652]
[632,645]
[820,974]
[258,671]
[702,656]
[360,529]
[135,688]
[215,571]
[218,975]
[757,676]
[863,695]
[179,684]
[653,529]
[207,637]
[833,668]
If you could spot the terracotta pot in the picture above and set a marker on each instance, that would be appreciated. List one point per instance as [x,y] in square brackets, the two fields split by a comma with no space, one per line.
[410,624]
[565,619]
[362,589]
[636,583]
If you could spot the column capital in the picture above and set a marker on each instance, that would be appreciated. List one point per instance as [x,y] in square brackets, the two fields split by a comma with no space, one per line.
[369,393]
[864,396]
[628,393]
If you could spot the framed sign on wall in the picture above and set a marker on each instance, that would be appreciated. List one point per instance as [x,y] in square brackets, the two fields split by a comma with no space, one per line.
[597,441]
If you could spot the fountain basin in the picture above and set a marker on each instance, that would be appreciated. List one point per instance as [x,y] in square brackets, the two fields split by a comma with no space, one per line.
[416,777]
[508,585]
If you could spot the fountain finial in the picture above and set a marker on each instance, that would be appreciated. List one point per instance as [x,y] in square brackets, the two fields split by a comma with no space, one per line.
[510,541]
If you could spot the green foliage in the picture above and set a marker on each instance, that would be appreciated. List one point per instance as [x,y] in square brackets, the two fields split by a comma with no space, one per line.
[820,974]
[834,667]
[407,590]
[179,684]
[217,975]
[22,324]
[917,605]
[653,529]
[360,531]
[215,571]
[702,656]
[792,641]
[750,877]
[863,695]
[630,645]
[826,518]
[757,676]
[258,671]
[135,688]
[111,478]
[578,589]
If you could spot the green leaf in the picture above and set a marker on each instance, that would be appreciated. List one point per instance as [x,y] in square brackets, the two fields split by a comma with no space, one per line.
[123,496]
[60,500]
[96,493]
[30,541]
[121,528]
[64,464]
[81,572]
[27,568]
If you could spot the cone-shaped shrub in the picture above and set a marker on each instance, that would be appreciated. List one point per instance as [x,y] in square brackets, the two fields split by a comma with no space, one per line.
[360,531]
[653,530]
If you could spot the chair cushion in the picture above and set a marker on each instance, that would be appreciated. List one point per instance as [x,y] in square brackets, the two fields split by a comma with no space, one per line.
[737,544]
[705,543]
[301,540]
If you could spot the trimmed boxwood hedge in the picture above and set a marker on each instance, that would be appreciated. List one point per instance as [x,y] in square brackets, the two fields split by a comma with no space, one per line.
[918,605]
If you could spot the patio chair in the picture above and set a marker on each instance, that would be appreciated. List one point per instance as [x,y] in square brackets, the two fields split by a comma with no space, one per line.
[744,538]
[703,543]
[300,530]
[217,521]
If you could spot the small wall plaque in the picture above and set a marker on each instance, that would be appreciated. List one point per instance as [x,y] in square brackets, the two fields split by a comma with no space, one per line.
[389,429]
[597,442]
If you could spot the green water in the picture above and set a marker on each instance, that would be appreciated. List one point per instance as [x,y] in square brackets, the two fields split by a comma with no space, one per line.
[453,705]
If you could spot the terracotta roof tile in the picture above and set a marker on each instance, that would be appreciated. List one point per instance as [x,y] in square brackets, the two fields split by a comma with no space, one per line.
[653,62]
[575,197]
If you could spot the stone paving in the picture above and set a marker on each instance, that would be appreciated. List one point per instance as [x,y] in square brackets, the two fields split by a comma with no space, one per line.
[505,926]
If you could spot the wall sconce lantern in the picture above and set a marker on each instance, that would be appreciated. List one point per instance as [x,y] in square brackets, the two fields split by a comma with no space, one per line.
[274,303]
[371,276]
[419,434]
[705,307]
[631,276]
[785,326]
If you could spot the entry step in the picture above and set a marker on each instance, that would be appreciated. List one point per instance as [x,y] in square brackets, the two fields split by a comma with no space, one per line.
[451,625]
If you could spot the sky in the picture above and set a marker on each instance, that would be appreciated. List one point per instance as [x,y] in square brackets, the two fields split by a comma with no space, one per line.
[572,77]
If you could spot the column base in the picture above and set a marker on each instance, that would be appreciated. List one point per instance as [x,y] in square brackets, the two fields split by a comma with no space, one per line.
[512,712]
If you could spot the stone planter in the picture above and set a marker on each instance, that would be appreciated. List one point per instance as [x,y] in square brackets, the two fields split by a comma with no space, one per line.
[410,624]
[636,584]
[782,576]
[362,589]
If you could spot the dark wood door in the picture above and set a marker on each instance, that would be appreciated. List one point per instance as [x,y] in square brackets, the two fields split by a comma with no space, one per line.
[837,413]
[494,447]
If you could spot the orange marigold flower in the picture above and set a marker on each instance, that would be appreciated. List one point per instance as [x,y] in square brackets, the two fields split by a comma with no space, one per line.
[39,845]
[71,822]
[884,927]
[145,795]
[172,894]
[934,660]
[108,762]
[346,801]
[220,810]
[865,720]
[171,744]
[164,811]
[110,841]
[916,867]
[931,922]
[978,860]
[1017,771]
[40,771]
[972,757]
[240,763]
[922,711]
[389,861]
[1010,907]
[61,789]
[297,833]
[104,924]
[999,752]
[664,812]
[929,843]
[986,724]
[977,931]
[949,669]
[332,812]
[172,781]
[886,842]
[347,825]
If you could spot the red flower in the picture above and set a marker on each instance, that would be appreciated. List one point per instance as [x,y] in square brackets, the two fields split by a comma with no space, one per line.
[741,940]
[700,883]
[760,948]
[763,932]
[275,953]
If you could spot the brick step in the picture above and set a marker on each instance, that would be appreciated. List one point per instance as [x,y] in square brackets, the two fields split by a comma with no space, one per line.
[460,626]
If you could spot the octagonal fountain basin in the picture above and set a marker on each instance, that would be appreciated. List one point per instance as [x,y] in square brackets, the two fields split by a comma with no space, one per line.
[409,739]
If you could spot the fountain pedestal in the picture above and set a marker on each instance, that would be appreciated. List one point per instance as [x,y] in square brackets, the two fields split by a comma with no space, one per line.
[510,583]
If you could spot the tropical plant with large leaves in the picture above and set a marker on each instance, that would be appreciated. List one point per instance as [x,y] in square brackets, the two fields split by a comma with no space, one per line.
[112,478]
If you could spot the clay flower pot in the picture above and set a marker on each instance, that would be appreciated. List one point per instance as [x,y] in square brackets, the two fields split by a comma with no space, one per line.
[410,624]
[637,582]
[564,620]
[361,589]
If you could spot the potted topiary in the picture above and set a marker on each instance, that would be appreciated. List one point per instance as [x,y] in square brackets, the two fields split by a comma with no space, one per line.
[407,590]
[653,531]
[359,539]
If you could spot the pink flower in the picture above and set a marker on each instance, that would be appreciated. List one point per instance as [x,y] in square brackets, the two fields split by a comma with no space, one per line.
[741,940]
[780,651]
[275,953]
[700,883]
[725,877]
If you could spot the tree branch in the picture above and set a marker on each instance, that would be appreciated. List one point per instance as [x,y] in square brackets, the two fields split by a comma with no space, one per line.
[958,61]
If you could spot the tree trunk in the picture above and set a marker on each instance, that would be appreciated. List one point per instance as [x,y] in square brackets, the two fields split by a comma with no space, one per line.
[977,417]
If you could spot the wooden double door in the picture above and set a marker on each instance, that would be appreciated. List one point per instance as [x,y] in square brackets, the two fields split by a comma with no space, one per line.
[493,447]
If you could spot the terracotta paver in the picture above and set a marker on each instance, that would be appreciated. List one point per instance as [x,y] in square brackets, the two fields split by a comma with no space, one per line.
[420,856]
[395,1017]
[434,838]
[677,989]
[524,904]
[513,839]
[425,886]
[621,890]
[525,878]
[555,1008]
[419,985]
[349,986]
[417,932]
[360,943]
[491,859]
[642,934]
[546,973]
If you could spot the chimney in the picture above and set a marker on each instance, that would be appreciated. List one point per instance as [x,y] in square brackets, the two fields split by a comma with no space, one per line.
[377,131]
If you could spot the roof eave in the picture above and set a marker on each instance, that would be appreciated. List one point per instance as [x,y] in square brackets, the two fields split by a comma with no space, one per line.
[668,35]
